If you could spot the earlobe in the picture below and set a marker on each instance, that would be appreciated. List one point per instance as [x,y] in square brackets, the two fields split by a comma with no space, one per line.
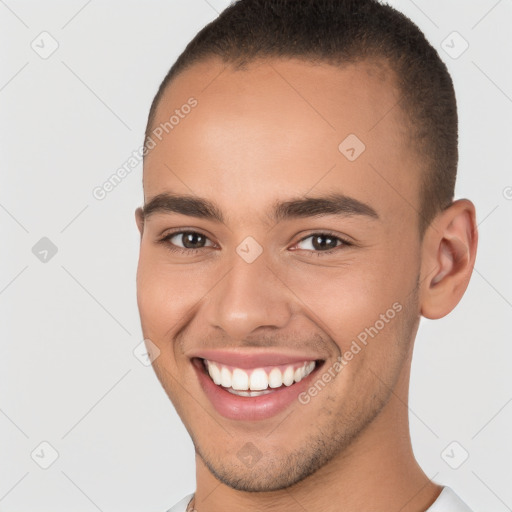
[139,219]
[448,257]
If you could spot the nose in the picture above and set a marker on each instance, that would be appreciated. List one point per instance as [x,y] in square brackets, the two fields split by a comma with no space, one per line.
[248,297]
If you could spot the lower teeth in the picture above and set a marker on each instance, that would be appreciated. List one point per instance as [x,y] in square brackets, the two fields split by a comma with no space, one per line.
[249,393]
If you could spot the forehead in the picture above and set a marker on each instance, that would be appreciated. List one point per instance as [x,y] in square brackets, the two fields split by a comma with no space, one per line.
[280,128]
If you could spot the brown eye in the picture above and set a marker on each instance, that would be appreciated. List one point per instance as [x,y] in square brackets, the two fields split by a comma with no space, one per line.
[321,242]
[191,240]
[187,240]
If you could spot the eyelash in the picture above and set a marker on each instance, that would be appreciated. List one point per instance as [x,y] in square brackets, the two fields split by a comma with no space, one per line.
[181,250]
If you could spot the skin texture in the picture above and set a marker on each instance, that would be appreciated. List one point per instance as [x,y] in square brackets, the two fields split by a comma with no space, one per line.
[270,132]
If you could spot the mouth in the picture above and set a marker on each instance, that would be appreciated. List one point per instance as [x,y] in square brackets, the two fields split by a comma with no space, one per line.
[242,389]
[258,381]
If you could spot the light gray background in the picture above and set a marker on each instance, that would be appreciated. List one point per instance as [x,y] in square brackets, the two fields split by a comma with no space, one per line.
[69,326]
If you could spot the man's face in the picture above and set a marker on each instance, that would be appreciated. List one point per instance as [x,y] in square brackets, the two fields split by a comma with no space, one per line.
[258,293]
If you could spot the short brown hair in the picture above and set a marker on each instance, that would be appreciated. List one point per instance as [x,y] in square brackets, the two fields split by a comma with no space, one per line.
[346,31]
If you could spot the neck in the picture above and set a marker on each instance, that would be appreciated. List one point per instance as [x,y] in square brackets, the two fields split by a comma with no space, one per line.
[378,471]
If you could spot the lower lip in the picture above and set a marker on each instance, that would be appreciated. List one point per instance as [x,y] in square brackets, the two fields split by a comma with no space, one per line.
[243,408]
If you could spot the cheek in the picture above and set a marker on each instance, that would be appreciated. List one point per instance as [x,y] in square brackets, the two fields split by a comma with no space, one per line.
[360,301]
[166,294]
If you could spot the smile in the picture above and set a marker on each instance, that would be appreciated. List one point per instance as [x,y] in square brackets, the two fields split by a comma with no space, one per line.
[258,381]
[253,386]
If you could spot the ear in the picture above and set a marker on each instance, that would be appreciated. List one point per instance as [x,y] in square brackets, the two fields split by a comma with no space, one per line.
[139,219]
[448,256]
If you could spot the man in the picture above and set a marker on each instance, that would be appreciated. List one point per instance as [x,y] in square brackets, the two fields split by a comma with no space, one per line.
[298,221]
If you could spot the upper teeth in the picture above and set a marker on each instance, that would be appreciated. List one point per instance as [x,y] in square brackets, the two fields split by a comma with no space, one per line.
[258,379]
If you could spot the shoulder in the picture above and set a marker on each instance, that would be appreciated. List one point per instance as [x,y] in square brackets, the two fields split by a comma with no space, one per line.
[448,501]
[181,506]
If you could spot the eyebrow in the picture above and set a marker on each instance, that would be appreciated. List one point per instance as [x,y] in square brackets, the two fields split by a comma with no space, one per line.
[301,207]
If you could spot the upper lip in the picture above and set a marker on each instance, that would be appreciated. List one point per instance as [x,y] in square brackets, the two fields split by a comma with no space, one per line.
[253,358]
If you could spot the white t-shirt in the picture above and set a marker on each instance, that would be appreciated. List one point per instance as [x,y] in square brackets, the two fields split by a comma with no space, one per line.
[447,501]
